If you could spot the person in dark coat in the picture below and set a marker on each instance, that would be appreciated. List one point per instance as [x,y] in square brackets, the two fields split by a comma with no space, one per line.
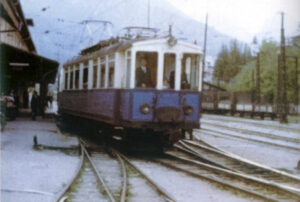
[143,75]
[34,105]
[184,81]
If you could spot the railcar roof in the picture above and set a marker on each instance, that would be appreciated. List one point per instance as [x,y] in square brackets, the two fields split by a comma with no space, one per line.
[115,47]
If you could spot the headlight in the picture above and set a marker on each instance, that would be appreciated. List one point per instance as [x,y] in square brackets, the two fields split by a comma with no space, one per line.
[188,110]
[145,109]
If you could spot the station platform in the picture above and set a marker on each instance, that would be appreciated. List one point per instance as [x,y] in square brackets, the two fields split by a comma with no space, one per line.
[28,174]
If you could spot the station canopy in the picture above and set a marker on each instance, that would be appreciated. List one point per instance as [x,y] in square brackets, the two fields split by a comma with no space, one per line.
[20,68]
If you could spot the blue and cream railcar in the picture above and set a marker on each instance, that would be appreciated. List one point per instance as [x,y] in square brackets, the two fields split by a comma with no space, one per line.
[102,85]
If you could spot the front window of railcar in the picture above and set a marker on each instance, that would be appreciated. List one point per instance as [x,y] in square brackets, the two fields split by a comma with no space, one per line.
[146,69]
[169,71]
[190,71]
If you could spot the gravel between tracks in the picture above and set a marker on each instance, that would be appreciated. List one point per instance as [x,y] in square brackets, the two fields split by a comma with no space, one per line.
[184,187]
[272,156]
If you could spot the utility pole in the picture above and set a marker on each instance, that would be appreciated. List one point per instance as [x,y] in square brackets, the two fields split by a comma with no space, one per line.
[204,49]
[296,83]
[253,97]
[283,105]
[278,85]
[257,79]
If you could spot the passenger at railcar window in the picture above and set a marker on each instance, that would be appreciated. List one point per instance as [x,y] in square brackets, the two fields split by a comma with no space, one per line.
[166,83]
[184,81]
[143,75]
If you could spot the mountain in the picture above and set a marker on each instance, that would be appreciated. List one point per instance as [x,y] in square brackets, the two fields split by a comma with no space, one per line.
[58,33]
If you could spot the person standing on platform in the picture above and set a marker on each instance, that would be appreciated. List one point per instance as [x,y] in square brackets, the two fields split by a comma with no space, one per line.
[34,105]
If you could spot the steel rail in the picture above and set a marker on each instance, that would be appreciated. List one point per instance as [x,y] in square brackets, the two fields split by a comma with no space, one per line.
[99,177]
[251,122]
[61,196]
[227,135]
[125,180]
[162,192]
[218,181]
[282,187]
[243,160]
[253,132]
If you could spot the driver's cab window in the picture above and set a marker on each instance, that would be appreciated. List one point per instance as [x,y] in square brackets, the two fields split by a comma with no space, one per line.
[190,71]
[146,69]
[169,71]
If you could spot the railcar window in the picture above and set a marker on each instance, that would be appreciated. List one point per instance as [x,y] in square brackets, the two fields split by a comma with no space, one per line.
[111,77]
[85,75]
[71,79]
[169,71]
[66,80]
[111,71]
[95,72]
[146,69]
[77,77]
[102,66]
[128,68]
[190,71]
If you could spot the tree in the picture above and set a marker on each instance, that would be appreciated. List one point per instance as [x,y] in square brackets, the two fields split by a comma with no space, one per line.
[229,62]
[243,81]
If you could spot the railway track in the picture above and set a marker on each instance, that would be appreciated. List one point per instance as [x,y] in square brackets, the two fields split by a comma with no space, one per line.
[253,132]
[251,122]
[237,164]
[214,166]
[218,131]
[117,180]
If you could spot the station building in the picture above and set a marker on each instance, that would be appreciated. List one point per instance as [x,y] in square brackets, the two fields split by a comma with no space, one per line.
[21,68]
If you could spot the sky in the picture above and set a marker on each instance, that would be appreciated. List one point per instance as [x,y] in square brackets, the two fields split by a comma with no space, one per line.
[245,19]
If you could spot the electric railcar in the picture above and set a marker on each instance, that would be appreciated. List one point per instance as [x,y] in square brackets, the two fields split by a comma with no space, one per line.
[101,86]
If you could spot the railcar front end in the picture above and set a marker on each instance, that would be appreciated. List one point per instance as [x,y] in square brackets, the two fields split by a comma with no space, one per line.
[150,85]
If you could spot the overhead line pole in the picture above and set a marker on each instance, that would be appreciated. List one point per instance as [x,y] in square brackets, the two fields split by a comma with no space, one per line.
[204,49]
[258,78]
[283,89]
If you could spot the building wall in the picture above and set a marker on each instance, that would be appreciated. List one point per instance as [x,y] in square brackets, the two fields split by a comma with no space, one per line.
[11,38]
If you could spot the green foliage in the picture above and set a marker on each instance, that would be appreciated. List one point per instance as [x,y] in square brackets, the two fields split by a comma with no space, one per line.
[245,79]
[230,60]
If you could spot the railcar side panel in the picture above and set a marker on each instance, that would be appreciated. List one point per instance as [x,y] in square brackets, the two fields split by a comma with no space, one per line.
[140,98]
[192,99]
[125,106]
